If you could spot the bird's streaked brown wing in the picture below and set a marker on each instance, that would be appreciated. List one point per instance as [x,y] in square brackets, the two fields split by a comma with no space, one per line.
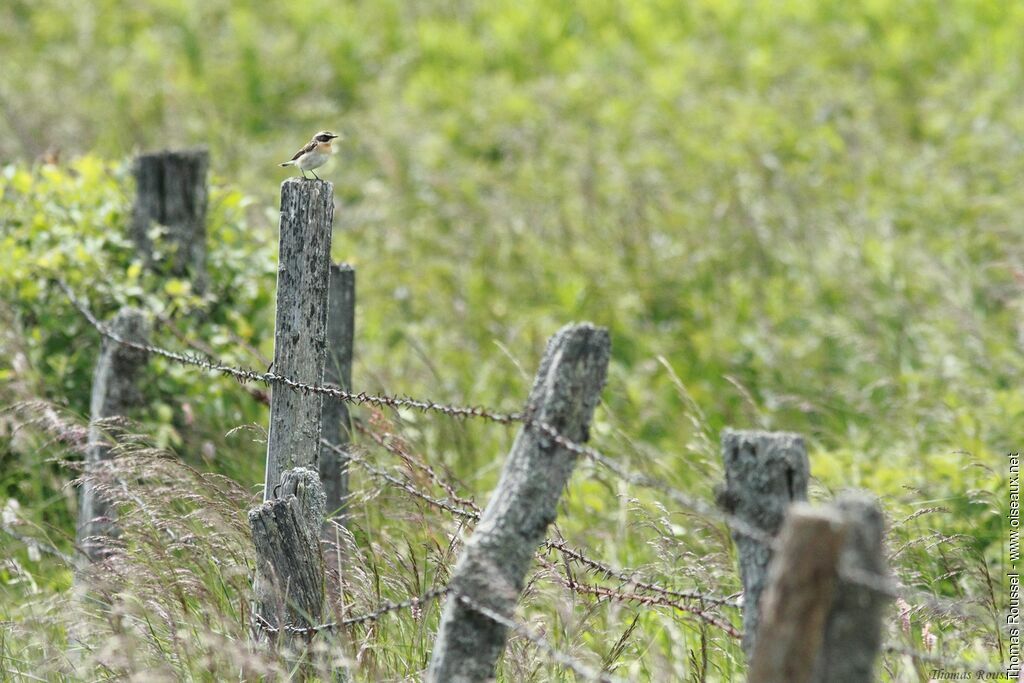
[310,146]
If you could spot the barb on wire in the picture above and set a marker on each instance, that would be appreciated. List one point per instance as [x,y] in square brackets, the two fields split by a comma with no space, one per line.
[385,608]
[558,656]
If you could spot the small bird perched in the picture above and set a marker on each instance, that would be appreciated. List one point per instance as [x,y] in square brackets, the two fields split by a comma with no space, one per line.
[314,154]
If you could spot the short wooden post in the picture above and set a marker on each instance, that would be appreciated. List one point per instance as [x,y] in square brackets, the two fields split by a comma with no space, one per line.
[303,273]
[853,631]
[493,565]
[336,424]
[114,393]
[171,191]
[289,582]
[764,473]
[799,591]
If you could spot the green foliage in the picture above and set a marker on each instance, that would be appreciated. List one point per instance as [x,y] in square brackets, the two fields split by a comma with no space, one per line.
[792,215]
[71,223]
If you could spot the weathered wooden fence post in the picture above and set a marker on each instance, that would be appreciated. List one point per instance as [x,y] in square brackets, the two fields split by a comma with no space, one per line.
[336,423]
[114,393]
[171,191]
[493,564]
[853,632]
[289,582]
[764,473]
[795,604]
[303,273]
[819,625]
[290,568]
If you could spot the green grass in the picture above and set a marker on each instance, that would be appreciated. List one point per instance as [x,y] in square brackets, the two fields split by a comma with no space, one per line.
[797,215]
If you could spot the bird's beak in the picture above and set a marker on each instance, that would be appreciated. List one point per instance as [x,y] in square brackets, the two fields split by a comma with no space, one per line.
[334,136]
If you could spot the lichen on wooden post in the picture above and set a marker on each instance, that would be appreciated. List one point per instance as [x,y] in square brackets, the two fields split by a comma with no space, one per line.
[798,593]
[115,393]
[307,213]
[853,631]
[289,583]
[335,421]
[171,191]
[493,565]
[765,472]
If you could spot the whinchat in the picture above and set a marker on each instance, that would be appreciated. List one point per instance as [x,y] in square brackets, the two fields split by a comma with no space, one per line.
[314,154]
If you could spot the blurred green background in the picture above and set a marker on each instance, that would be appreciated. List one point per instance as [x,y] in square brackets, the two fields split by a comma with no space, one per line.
[791,215]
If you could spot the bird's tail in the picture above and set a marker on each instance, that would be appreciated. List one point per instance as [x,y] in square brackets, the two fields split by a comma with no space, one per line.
[288,163]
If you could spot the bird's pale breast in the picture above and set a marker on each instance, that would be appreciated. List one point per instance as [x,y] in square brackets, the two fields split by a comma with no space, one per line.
[315,159]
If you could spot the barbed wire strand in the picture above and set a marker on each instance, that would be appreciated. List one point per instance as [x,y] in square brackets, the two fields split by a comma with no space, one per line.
[243,374]
[388,444]
[885,585]
[603,593]
[627,577]
[380,611]
[405,486]
[469,507]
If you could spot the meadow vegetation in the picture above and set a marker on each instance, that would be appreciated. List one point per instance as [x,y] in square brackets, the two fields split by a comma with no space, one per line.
[799,215]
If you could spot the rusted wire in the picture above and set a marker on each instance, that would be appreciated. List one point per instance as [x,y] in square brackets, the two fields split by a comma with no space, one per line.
[603,593]
[884,584]
[629,577]
[392,447]
[384,608]
[404,485]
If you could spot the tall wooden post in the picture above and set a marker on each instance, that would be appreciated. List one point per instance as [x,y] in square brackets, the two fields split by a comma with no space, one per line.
[114,393]
[303,273]
[765,472]
[171,191]
[493,564]
[336,424]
